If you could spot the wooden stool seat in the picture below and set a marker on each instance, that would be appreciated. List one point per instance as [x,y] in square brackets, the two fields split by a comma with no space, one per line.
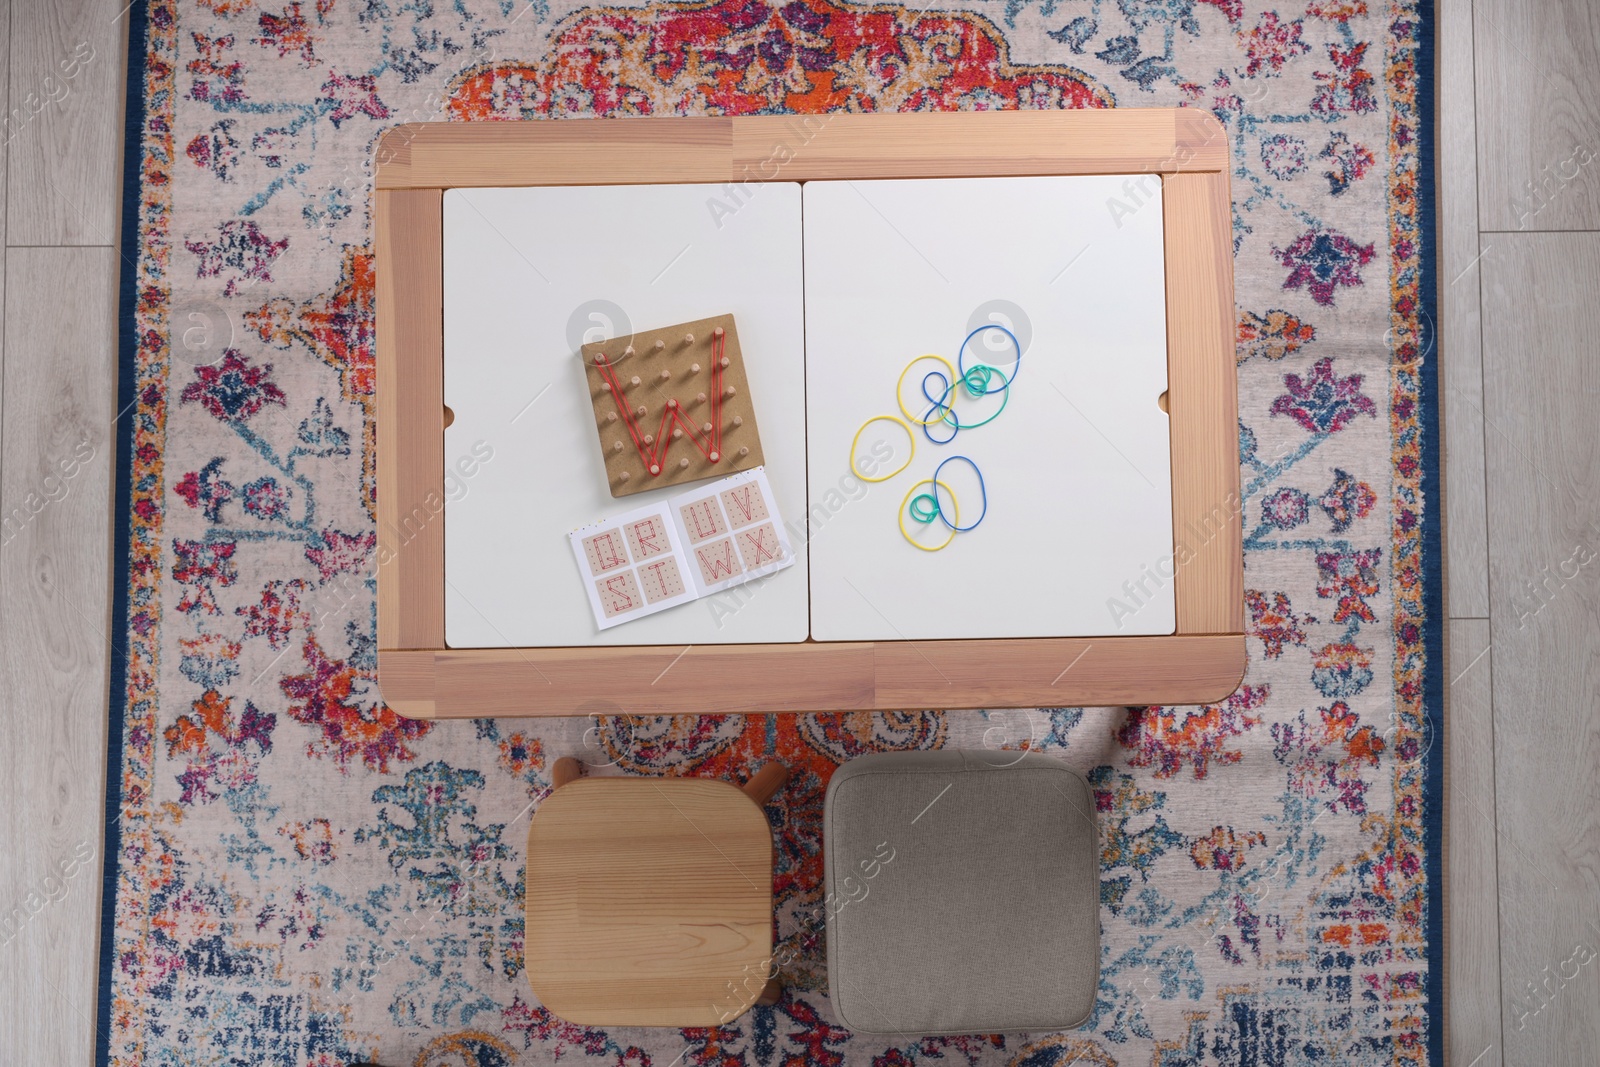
[649,901]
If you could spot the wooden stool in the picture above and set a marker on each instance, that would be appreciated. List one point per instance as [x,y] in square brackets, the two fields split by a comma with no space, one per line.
[650,899]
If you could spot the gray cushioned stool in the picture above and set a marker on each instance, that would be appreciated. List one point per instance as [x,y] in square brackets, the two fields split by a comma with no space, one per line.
[963,893]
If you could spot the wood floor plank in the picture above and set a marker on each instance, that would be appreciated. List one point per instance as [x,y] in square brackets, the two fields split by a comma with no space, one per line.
[65,88]
[55,463]
[1471,880]
[8,124]
[1538,114]
[1540,322]
[1458,334]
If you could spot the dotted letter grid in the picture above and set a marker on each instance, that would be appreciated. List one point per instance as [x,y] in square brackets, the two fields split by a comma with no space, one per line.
[640,563]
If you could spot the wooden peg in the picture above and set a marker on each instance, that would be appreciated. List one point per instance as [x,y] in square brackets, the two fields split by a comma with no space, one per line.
[717,332]
[724,362]
[611,416]
[660,345]
[766,782]
[565,771]
[694,368]
[616,446]
[743,451]
[640,411]
[673,403]
[655,468]
[705,427]
[606,386]
[665,374]
[738,420]
[683,464]
[676,433]
[622,477]
[626,352]
[729,391]
[688,338]
[649,439]
[715,455]
[701,399]
[634,381]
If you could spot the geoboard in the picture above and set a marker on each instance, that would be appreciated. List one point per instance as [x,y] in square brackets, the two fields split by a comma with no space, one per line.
[672,405]
[1112,475]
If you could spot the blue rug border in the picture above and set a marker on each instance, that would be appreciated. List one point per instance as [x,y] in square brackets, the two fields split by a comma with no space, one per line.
[1435,622]
[122,522]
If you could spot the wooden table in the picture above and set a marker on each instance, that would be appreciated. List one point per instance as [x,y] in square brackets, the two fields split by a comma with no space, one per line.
[1184,151]
[649,900]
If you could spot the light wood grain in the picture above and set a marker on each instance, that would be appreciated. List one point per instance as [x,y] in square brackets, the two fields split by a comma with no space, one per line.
[56,418]
[1540,321]
[409,237]
[460,683]
[1471,884]
[570,152]
[1203,404]
[565,771]
[649,902]
[643,679]
[1456,343]
[66,82]
[765,783]
[1538,104]
[1049,672]
[953,144]
[1203,661]
[797,148]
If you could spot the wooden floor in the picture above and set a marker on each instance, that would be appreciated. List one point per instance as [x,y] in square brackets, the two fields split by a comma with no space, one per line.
[1519,321]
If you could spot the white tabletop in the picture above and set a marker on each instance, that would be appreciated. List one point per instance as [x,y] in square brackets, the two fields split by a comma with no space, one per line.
[1077,467]
[529,275]
[830,307]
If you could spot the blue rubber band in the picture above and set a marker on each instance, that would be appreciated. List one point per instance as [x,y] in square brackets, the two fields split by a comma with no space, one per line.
[1016,367]
[985,373]
[949,418]
[982,488]
[944,392]
[945,400]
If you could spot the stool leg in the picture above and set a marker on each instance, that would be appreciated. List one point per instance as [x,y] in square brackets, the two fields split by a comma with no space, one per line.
[771,994]
[766,781]
[566,770]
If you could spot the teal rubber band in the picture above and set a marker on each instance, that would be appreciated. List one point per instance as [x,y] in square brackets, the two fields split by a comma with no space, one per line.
[1005,392]
[929,510]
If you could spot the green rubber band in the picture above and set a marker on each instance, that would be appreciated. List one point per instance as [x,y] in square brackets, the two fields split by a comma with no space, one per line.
[929,510]
[1005,397]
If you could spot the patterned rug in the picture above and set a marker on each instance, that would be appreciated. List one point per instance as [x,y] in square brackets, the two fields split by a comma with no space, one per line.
[297,875]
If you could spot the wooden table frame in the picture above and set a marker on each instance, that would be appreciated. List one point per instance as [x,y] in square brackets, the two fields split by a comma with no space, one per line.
[1183,150]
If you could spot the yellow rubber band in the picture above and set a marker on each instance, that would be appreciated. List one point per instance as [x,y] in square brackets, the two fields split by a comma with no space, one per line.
[953,507]
[900,385]
[855,442]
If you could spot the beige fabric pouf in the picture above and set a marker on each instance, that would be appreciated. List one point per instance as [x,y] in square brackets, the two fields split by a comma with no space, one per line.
[963,893]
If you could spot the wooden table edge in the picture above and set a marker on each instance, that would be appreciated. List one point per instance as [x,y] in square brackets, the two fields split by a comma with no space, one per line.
[812,676]
[1203,661]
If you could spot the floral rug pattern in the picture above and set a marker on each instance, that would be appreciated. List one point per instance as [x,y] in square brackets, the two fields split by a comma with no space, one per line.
[302,876]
